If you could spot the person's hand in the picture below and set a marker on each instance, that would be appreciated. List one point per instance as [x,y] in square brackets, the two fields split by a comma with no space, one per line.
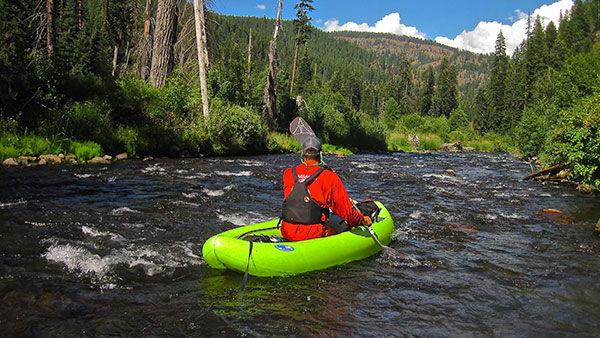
[367,221]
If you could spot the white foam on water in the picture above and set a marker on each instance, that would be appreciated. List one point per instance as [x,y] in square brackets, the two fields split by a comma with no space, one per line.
[95,233]
[229,173]
[219,192]
[250,163]
[416,214]
[85,175]
[155,168]
[120,211]
[37,224]
[7,205]
[152,259]
[240,219]
[442,177]
[190,195]
[513,216]
[491,217]
[186,203]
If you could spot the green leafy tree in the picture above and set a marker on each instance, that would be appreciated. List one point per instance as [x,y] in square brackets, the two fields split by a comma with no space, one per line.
[577,139]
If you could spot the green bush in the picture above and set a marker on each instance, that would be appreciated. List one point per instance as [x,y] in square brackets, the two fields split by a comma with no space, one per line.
[398,141]
[282,143]
[436,125]
[234,129]
[85,150]
[329,148]
[457,136]
[532,132]
[128,137]
[577,139]
[412,122]
[430,142]
[7,146]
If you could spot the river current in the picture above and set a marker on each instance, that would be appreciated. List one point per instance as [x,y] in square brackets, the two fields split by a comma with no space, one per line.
[116,250]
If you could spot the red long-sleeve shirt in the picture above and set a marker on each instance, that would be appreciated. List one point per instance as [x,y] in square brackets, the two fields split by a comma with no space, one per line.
[327,190]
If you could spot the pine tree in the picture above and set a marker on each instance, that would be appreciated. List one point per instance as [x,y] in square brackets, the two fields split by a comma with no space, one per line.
[498,81]
[446,92]
[302,24]
[427,92]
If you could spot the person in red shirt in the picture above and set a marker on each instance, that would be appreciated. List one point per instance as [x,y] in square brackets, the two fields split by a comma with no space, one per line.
[326,189]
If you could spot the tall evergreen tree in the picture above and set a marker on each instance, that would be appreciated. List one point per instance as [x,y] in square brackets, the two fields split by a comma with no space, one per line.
[427,91]
[302,24]
[498,86]
[446,92]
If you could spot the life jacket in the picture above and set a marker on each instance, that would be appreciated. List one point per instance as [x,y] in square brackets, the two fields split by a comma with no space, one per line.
[298,206]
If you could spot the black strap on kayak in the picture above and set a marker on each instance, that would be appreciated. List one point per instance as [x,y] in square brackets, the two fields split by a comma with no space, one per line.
[245,277]
[257,230]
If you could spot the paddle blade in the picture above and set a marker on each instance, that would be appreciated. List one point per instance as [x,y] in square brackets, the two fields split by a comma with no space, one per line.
[396,256]
[301,129]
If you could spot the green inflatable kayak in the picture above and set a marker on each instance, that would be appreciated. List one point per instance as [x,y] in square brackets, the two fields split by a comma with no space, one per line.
[229,250]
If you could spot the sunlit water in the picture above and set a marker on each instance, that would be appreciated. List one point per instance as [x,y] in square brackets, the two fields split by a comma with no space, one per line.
[115,250]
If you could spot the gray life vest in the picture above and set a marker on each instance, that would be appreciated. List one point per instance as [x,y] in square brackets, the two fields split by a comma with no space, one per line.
[298,206]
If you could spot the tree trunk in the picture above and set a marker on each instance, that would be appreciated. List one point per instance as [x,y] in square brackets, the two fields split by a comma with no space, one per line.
[80,13]
[114,61]
[164,39]
[49,30]
[270,96]
[294,66]
[249,52]
[202,53]
[145,51]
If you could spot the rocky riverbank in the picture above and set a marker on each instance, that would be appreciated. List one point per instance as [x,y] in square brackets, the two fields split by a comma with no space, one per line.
[59,159]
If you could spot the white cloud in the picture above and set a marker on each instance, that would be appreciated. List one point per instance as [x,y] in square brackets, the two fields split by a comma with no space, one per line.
[388,24]
[261,7]
[483,38]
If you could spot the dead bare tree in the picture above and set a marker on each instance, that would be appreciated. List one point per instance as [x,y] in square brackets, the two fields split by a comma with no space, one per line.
[270,96]
[145,50]
[49,30]
[202,52]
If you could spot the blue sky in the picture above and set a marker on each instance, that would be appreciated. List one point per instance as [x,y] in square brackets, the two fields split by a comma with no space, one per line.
[469,24]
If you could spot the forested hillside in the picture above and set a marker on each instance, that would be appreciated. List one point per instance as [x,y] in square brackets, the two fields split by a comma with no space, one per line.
[171,77]
[472,69]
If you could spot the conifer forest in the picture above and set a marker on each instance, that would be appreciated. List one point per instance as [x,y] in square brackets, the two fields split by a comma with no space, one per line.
[176,78]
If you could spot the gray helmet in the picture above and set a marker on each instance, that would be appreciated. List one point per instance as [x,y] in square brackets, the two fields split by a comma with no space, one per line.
[311,145]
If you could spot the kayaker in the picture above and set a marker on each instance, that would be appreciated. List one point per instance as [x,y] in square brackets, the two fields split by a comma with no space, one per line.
[302,218]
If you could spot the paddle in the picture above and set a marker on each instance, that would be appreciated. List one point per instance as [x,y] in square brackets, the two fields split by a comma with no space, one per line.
[300,129]
[385,250]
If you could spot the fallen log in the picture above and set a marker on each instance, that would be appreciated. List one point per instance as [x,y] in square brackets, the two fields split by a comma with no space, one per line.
[548,171]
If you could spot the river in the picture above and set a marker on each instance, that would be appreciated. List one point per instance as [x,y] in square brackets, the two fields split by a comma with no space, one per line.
[116,250]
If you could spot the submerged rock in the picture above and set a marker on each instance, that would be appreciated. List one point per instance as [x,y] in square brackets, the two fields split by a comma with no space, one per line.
[466,228]
[449,172]
[556,215]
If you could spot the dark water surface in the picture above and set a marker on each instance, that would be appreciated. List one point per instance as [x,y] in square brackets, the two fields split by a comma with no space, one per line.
[115,250]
